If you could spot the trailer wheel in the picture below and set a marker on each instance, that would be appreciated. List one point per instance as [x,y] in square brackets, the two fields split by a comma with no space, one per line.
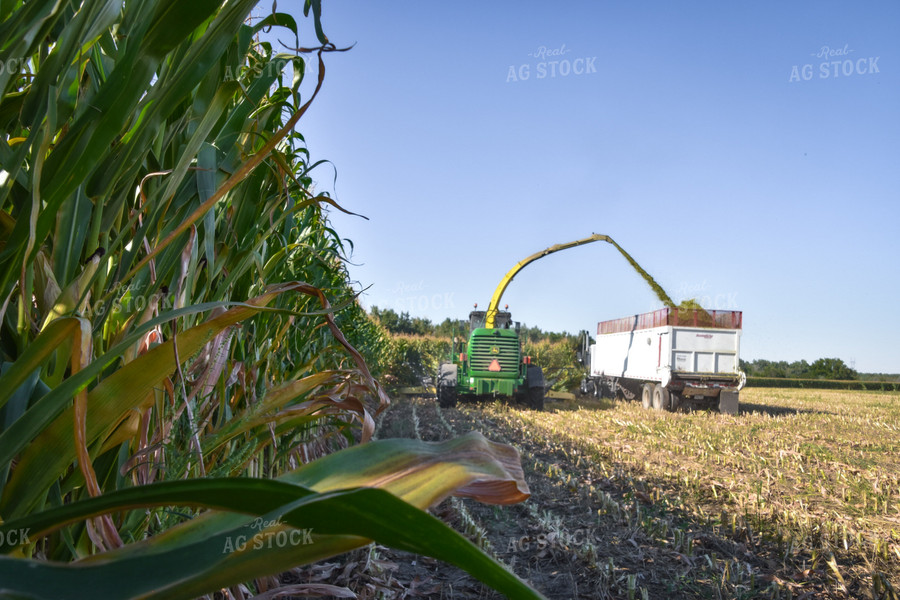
[660,398]
[647,395]
[446,385]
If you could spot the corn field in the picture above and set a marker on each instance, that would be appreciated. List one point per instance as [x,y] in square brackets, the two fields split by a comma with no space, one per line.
[185,367]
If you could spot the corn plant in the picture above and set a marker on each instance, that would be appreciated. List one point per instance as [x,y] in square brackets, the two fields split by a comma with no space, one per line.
[173,301]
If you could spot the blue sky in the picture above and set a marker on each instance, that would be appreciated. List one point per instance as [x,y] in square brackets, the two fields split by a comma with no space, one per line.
[685,135]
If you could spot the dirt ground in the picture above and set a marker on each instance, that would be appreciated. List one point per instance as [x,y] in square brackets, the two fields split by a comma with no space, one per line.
[586,532]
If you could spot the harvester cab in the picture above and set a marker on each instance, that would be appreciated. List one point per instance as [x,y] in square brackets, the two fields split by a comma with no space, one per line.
[502,320]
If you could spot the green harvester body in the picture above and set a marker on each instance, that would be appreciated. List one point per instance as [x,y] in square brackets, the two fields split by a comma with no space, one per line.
[490,364]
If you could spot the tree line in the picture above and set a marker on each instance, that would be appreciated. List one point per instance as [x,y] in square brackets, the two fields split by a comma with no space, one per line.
[403,324]
[823,368]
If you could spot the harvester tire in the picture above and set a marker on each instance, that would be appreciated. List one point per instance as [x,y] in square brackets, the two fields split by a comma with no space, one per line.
[536,398]
[446,385]
[534,378]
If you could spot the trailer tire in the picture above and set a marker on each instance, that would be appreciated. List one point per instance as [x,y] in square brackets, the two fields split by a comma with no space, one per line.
[647,395]
[661,398]
[446,385]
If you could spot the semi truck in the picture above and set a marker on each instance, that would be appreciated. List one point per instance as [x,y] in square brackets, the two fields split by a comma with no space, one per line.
[672,358]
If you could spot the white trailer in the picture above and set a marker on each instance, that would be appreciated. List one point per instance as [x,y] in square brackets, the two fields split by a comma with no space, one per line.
[672,358]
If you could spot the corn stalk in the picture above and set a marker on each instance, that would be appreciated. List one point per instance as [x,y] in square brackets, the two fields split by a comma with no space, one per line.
[173,302]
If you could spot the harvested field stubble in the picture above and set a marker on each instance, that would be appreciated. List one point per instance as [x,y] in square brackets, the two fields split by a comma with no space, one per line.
[798,495]
[814,474]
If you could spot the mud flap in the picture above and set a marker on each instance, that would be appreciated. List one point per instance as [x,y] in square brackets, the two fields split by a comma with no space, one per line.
[728,403]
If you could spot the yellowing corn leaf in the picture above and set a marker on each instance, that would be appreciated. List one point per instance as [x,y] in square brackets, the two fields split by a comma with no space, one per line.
[222,548]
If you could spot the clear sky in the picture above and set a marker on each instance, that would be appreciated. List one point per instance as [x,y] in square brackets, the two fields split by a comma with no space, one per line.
[693,133]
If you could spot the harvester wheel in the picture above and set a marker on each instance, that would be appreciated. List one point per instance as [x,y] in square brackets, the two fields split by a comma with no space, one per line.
[534,378]
[446,385]
[536,398]
[647,395]
[660,397]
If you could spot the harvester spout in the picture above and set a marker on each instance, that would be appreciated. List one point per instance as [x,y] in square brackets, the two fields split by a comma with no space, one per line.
[491,312]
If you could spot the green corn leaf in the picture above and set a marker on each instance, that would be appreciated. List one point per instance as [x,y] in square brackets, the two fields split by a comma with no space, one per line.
[218,548]
[34,357]
[50,445]
[136,121]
